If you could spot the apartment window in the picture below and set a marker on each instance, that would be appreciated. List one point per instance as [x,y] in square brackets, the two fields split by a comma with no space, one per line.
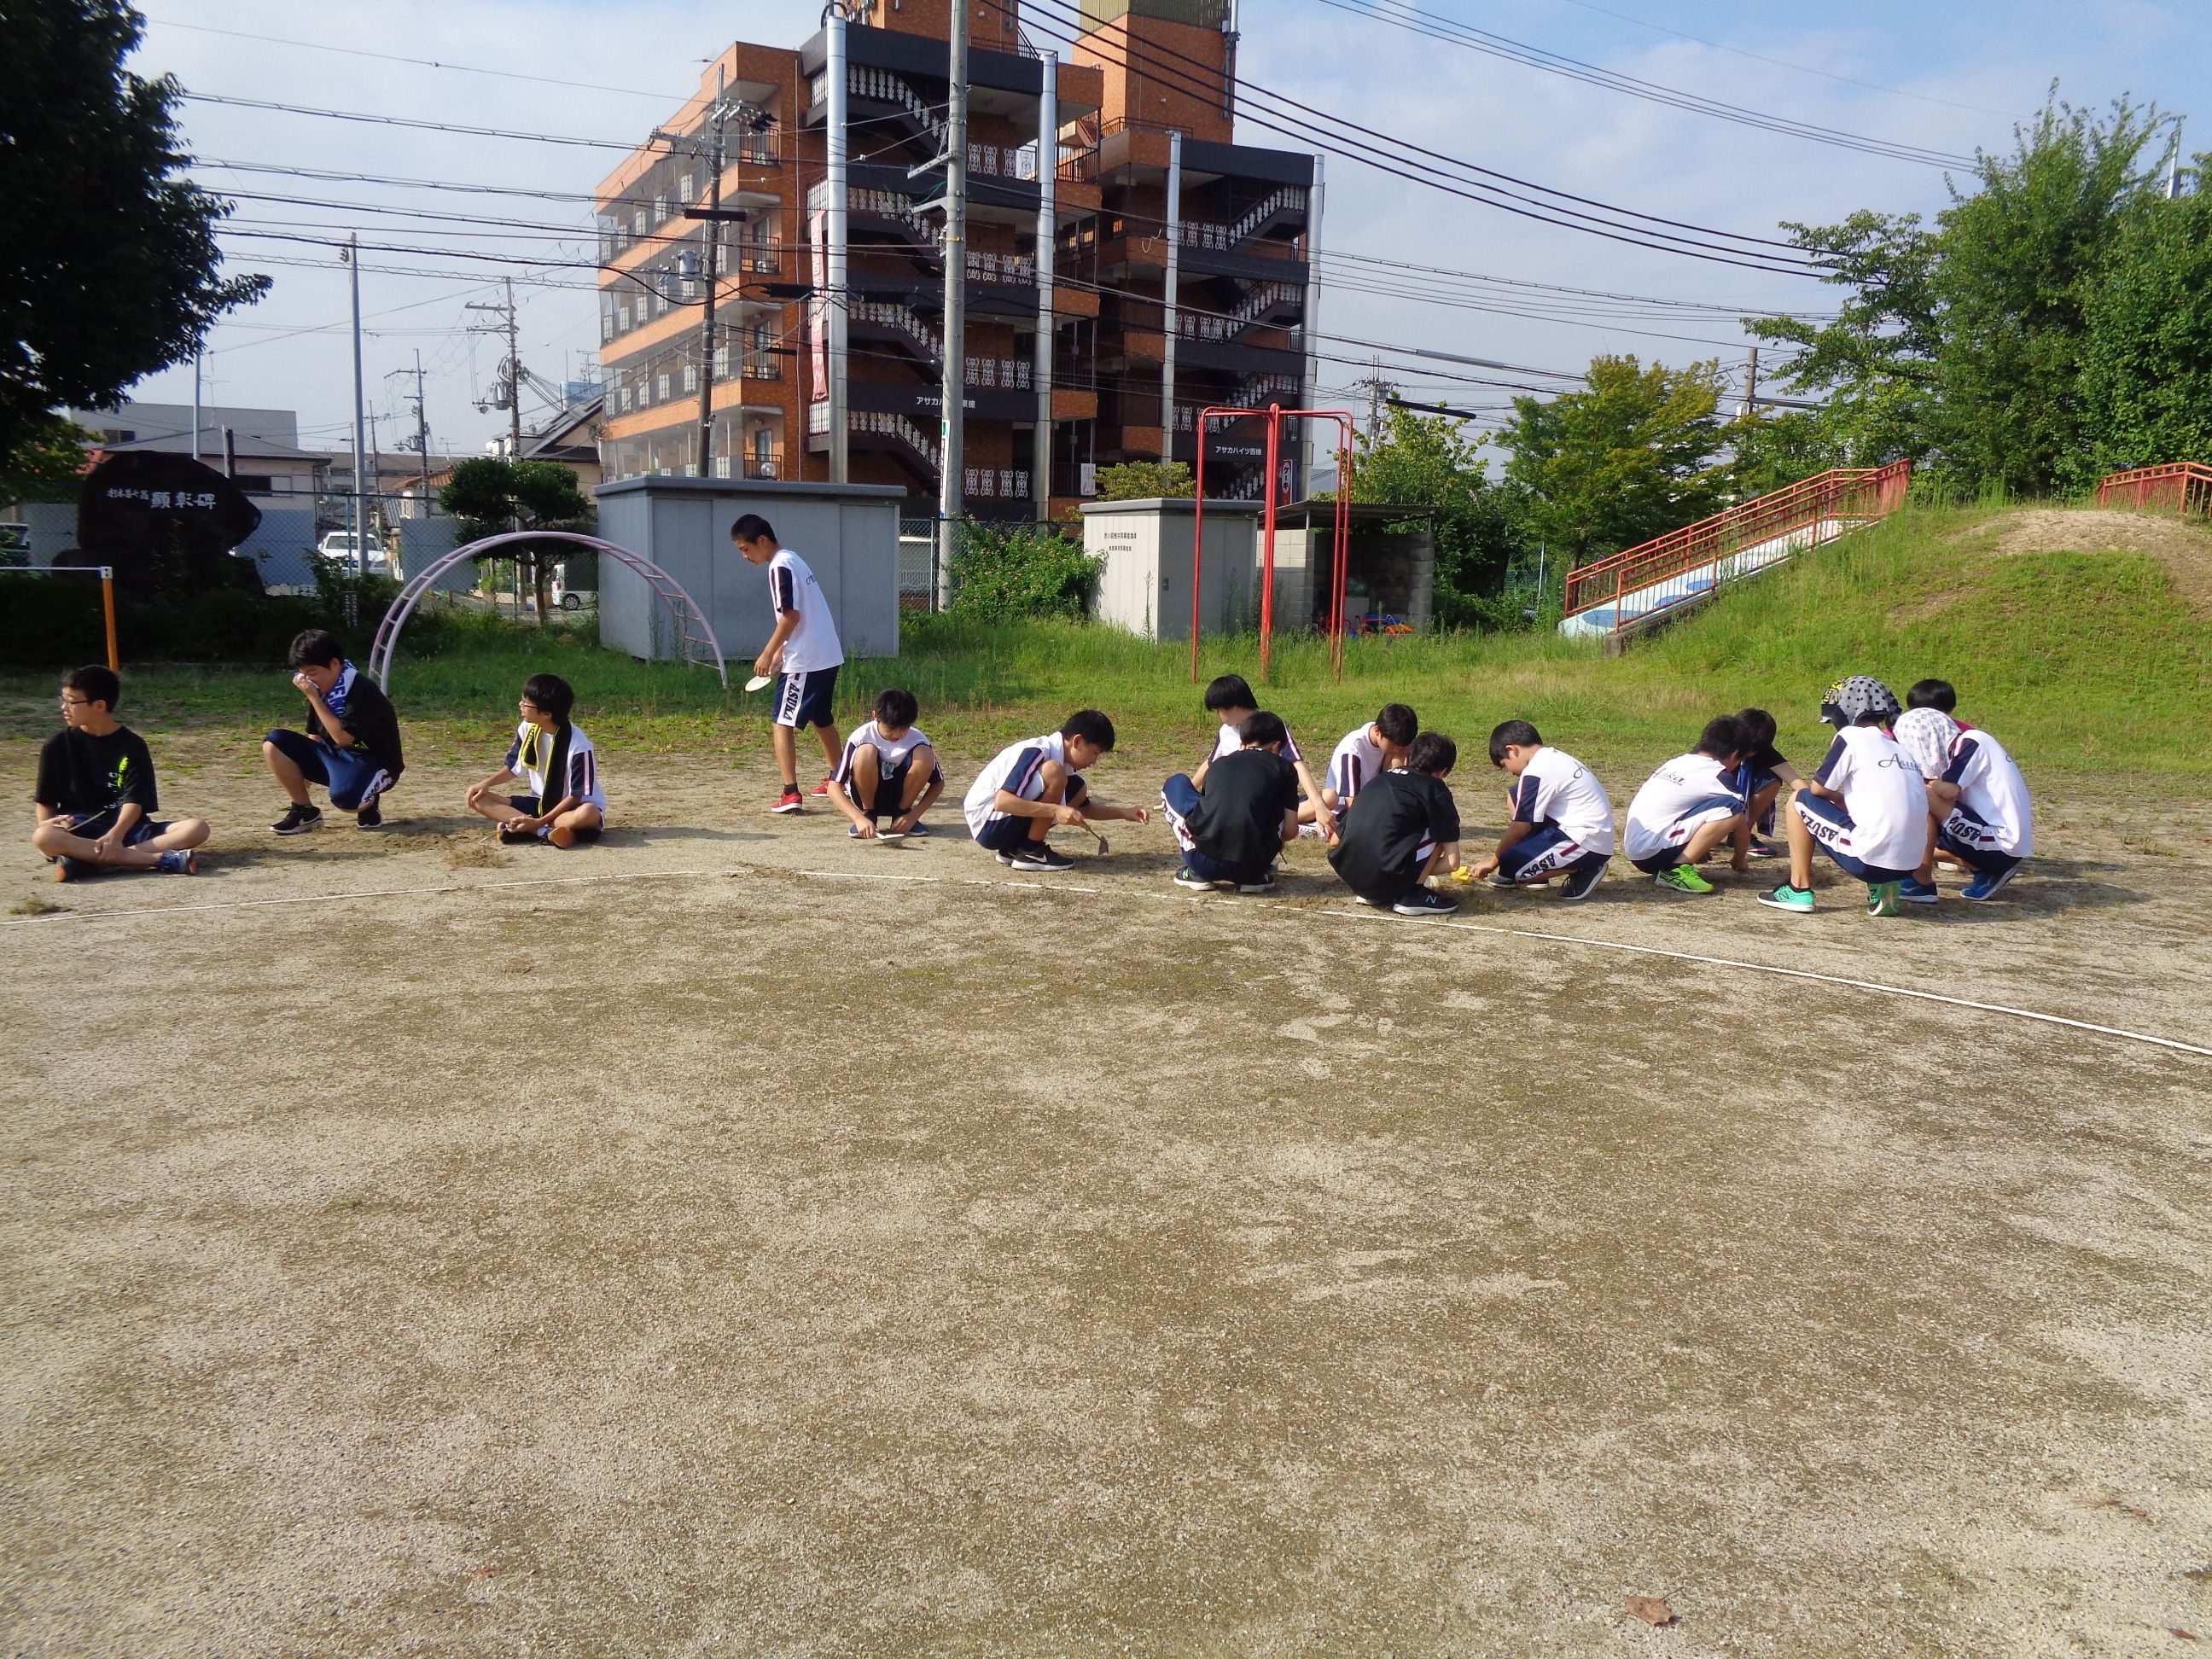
[684,187]
[691,377]
[661,388]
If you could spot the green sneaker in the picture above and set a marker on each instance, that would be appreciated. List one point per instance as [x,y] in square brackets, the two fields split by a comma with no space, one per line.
[1683,879]
[1786,897]
[1883,899]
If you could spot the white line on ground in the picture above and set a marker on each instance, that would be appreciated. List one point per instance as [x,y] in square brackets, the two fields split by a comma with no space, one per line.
[1349,912]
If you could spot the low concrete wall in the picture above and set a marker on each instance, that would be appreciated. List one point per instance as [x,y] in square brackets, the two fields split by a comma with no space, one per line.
[848,534]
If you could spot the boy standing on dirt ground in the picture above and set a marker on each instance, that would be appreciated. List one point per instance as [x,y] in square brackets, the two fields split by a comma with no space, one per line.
[889,770]
[352,744]
[803,652]
[1231,834]
[1866,804]
[1031,785]
[1687,808]
[1229,698]
[95,794]
[1562,817]
[1402,829]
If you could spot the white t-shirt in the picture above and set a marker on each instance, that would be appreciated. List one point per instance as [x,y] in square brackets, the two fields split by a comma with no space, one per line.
[532,752]
[1228,743]
[1659,817]
[1992,789]
[892,751]
[790,587]
[1358,761]
[1884,793]
[1019,769]
[1555,787]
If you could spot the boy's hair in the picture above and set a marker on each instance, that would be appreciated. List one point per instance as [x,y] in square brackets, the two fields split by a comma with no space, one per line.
[1431,753]
[1260,727]
[750,528]
[1724,735]
[1091,726]
[97,681]
[1398,724]
[1230,691]
[1759,729]
[315,647]
[1932,694]
[1507,734]
[552,693]
[895,708]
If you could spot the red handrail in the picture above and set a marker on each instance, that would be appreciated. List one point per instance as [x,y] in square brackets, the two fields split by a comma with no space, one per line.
[2180,487]
[1862,493]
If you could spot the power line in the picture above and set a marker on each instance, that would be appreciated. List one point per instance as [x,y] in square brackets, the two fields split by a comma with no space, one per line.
[421,63]
[624,145]
[1435,27]
[1416,162]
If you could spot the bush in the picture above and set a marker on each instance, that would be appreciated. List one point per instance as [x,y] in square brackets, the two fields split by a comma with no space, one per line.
[1000,574]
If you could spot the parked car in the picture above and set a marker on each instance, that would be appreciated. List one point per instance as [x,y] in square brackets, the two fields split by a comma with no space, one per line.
[572,599]
[339,545]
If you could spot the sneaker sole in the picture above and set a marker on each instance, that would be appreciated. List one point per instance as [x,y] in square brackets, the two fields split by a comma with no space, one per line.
[1706,891]
[1028,868]
[788,806]
[1195,886]
[1568,896]
[2003,882]
[1773,903]
[1251,892]
[1919,898]
[1422,911]
[302,829]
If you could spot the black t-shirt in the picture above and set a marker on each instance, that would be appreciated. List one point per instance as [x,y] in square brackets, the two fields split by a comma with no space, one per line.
[1766,760]
[369,718]
[80,774]
[1380,837]
[1240,822]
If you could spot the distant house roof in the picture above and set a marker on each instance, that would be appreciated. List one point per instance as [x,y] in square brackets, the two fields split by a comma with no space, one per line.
[574,435]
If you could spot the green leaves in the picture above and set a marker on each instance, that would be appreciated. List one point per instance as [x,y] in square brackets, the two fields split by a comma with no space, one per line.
[1423,460]
[1000,574]
[2146,385]
[112,270]
[1144,480]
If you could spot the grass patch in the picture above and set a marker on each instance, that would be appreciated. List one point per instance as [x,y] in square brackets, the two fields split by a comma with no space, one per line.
[2084,663]
[34,907]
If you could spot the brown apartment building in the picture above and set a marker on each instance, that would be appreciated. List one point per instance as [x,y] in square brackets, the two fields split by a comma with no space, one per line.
[1126,264]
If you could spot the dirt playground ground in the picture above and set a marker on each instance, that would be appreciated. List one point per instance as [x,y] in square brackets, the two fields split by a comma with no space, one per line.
[736,1240]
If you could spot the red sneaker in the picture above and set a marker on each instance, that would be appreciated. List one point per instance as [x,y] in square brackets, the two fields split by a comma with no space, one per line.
[790,801]
[821,789]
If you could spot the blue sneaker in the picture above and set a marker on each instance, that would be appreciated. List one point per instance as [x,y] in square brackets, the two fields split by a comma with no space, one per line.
[1989,883]
[1918,892]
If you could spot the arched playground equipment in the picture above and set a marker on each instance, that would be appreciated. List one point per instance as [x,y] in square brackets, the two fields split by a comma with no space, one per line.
[694,635]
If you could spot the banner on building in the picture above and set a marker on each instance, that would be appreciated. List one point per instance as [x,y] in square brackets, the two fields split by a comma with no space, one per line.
[817,306]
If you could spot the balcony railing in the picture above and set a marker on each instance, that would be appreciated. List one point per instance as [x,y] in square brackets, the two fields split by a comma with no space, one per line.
[996,483]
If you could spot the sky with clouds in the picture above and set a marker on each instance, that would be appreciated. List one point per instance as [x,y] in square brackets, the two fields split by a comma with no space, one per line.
[1948,78]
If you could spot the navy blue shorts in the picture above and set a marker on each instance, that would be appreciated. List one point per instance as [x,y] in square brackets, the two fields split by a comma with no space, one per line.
[891,790]
[1004,834]
[1827,820]
[93,825]
[1546,851]
[350,777]
[1973,843]
[805,699]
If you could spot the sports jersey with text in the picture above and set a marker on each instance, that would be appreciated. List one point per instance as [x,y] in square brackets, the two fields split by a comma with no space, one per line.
[1992,789]
[1683,789]
[1884,793]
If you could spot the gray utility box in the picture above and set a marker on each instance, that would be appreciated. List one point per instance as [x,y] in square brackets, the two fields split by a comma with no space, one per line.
[848,534]
[1146,584]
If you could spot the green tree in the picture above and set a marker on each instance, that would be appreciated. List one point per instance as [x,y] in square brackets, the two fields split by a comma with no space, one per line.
[491,495]
[1631,456]
[2020,259]
[111,267]
[1144,480]
[2147,359]
[1873,365]
[1000,572]
[1424,460]
[48,464]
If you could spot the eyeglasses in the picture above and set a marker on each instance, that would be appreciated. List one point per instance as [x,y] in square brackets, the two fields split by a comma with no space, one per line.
[67,702]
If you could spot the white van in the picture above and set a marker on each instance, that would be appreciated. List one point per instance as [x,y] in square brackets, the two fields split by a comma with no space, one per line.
[339,545]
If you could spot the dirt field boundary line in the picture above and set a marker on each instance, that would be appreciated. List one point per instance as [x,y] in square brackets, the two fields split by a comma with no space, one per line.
[1736,962]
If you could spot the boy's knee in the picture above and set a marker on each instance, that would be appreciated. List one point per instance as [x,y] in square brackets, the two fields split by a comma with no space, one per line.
[48,835]
[190,832]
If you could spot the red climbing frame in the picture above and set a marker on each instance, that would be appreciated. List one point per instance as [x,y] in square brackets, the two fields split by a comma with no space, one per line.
[1274,415]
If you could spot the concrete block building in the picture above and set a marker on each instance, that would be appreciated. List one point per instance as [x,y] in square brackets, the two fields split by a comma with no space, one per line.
[1127,261]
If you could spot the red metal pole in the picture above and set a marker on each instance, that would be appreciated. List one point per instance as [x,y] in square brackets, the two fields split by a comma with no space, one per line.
[1343,532]
[1267,539]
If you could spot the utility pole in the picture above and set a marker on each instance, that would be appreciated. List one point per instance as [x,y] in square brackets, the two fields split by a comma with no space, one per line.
[953,388]
[1750,384]
[1379,392]
[509,396]
[1171,312]
[360,418]
[2174,164]
[195,404]
[754,120]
